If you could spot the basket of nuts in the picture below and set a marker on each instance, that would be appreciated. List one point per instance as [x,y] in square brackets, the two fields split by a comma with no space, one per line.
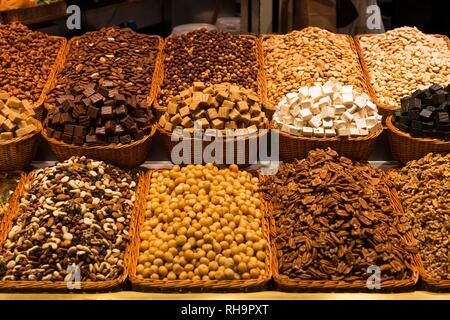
[204,229]
[325,116]
[36,56]
[211,57]
[323,56]
[422,125]
[57,243]
[401,60]
[337,226]
[20,133]
[424,190]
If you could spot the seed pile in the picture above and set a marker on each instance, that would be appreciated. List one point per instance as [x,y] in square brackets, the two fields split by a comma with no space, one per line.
[334,219]
[76,213]
[202,223]
[424,190]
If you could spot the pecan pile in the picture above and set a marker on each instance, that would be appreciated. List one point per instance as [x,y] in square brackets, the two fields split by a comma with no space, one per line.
[334,219]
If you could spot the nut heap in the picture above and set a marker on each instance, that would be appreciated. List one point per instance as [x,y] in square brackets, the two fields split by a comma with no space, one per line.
[16,117]
[334,219]
[323,56]
[424,190]
[426,113]
[327,111]
[8,183]
[202,223]
[220,106]
[96,115]
[27,58]
[76,213]
[121,56]
[401,60]
[208,56]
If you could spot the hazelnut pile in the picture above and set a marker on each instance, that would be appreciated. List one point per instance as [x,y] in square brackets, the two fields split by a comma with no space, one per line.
[202,223]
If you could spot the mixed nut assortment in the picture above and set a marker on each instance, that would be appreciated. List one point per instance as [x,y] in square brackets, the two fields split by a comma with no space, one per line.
[121,56]
[27,59]
[424,190]
[402,60]
[202,223]
[312,55]
[76,213]
[211,57]
[334,219]
[220,106]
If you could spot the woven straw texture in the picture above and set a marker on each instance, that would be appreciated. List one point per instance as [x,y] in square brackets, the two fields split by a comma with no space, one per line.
[125,156]
[296,285]
[295,147]
[17,153]
[384,109]
[13,200]
[241,148]
[261,78]
[271,105]
[61,286]
[200,285]
[405,148]
[66,51]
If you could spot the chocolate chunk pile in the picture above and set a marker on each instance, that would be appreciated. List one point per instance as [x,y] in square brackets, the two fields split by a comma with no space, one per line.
[426,113]
[334,219]
[97,115]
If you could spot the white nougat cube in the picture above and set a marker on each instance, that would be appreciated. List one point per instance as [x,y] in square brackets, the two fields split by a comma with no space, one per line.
[284,109]
[319,132]
[354,132]
[347,98]
[328,112]
[363,132]
[361,123]
[295,111]
[330,133]
[316,121]
[306,103]
[337,98]
[327,90]
[360,102]
[291,96]
[371,121]
[315,92]
[347,116]
[353,109]
[339,124]
[306,114]
[298,122]
[303,92]
[307,131]
[372,106]
[325,101]
[339,109]
[343,132]
[347,89]
[315,108]
[363,113]
[288,119]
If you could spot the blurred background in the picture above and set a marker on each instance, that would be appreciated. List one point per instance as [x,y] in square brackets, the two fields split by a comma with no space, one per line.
[238,16]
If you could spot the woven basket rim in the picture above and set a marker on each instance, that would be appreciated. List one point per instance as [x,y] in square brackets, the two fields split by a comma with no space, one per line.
[100,147]
[26,137]
[372,135]
[260,78]
[372,91]
[13,199]
[291,284]
[406,135]
[365,84]
[207,285]
[26,285]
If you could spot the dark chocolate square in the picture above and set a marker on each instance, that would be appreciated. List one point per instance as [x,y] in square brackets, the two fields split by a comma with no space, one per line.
[91,139]
[84,121]
[416,125]
[426,114]
[92,112]
[107,112]
[79,131]
[113,140]
[97,99]
[443,118]
[69,129]
[125,139]
[67,138]
[78,140]
[119,130]
[88,92]
[100,131]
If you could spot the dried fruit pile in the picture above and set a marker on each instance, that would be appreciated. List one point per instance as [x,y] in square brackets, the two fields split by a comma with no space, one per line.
[334,219]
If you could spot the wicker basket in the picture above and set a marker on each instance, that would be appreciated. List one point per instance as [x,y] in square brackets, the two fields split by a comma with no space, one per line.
[65,54]
[271,105]
[200,285]
[36,14]
[296,285]
[13,200]
[405,148]
[297,147]
[126,156]
[384,109]
[61,286]
[17,153]
[261,79]
[243,159]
